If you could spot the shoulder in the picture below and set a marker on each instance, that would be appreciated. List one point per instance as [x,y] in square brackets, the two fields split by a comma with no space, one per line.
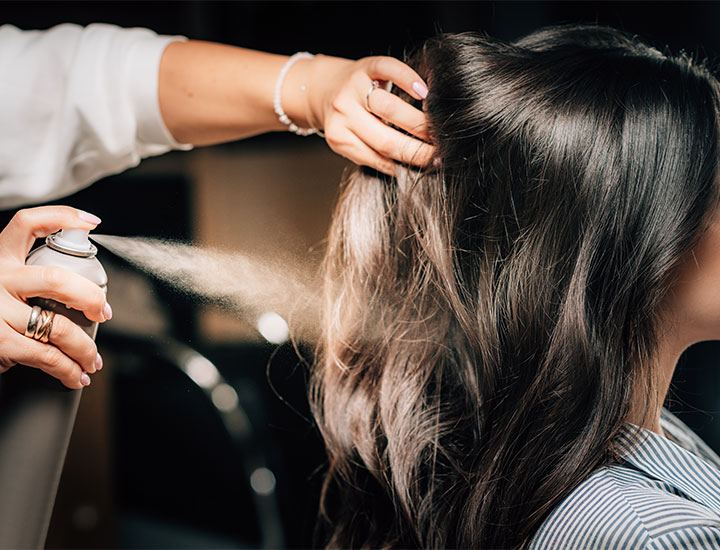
[677,430]
[619,507]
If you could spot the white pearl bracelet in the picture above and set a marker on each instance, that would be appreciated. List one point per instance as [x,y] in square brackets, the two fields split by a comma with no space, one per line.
[277,104]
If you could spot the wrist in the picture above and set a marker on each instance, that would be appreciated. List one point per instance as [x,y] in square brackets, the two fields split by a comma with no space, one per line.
[323,79]
[293,92]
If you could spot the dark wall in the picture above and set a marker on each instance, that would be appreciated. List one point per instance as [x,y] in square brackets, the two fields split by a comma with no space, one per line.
[355,29]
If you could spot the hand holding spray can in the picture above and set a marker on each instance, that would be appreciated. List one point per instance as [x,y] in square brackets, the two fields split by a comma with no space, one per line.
[72,250]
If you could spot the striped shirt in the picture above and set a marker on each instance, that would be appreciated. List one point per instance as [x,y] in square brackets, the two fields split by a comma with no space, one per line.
[665,494]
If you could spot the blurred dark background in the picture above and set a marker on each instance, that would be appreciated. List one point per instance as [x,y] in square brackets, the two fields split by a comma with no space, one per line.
[157,461]
[356,29]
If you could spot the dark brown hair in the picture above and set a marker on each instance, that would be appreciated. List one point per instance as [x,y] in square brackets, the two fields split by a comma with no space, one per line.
[490,320]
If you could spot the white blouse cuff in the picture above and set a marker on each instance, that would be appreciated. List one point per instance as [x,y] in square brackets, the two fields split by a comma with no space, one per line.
[144,58]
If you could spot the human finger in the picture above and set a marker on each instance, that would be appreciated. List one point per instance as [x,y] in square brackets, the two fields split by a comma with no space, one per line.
[64,335]
[32,223]
[61,285]
[45,357]
[353,148]
[391,143]
[397,72]
[393,109]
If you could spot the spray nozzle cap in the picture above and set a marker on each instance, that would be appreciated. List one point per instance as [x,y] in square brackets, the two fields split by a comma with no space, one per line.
[72,241]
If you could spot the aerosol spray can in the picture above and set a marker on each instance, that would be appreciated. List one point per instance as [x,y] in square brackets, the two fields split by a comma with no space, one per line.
[70,249]
[37,412]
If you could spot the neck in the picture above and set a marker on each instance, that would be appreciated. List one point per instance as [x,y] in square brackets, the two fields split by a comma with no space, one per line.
[670,347]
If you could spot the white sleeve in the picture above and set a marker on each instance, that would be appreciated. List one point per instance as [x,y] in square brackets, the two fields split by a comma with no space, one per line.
[76,104]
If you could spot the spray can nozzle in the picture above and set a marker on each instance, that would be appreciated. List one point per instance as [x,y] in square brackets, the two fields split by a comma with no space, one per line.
[72,241]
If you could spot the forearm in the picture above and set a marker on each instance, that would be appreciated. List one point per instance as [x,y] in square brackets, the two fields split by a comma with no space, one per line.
[211,93]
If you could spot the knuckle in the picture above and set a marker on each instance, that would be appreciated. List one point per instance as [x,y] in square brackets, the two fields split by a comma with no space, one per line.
[359,78]
[339,149]
[373,63]
[386,106]
[424,153]
[71,378]
[22,217]
[338,104]
[66,335]
[14,272]
[99,299]
[392,67]
[90,351]
[6,364]
[386,146]
[386,166]
[53,277]
[333,140]
[333,135]
[52,357]
[61,328]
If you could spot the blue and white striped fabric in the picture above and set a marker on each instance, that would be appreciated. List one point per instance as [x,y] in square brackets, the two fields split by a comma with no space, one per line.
[664,495]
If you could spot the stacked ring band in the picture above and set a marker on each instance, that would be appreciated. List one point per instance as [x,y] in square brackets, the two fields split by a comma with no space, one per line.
[40,324]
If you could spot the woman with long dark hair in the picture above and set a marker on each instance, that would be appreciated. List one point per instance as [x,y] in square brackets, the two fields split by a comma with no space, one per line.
[502,327]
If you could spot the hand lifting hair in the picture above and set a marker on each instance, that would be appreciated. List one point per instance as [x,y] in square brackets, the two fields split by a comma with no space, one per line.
[494,321]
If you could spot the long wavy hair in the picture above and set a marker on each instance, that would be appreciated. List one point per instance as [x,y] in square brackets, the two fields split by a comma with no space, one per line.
[491,319]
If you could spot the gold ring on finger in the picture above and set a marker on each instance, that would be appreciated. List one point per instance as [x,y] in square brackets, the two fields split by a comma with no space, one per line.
[42,332]
[46,327]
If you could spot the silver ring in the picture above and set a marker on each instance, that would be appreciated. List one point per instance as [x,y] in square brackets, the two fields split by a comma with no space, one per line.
[374,86]
[32,322]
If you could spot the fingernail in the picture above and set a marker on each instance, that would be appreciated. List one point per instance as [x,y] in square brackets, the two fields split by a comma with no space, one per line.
[98,362]
[85,379]
[437,162]
[88,217]
[107,312]
[420,89]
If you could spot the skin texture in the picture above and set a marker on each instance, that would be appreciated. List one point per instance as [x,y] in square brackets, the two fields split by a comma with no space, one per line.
[211,93]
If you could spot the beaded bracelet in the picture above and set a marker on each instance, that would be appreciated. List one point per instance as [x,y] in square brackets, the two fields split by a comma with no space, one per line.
[282,117]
